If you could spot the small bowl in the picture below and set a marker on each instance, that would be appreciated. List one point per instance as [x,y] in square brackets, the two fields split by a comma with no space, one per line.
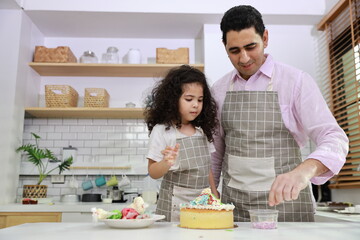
[264,218]
[70,198]
[107,200]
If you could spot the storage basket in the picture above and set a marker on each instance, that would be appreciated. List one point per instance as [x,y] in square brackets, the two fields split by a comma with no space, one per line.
[60,96]
[34,191]
[180,55]
[55,55]
[96,97]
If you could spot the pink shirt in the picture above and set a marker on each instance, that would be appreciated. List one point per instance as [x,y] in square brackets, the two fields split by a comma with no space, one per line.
[304,112]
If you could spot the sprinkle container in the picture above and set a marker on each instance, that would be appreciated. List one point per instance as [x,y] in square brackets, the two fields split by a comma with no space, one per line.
[264,218]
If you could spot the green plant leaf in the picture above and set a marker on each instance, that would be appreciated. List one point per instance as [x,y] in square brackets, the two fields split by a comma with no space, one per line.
[65,165]
[35,136]
[50,155]
[40,158]
[34,154]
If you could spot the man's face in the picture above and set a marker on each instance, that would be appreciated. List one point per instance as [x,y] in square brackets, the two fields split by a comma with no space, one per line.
[246,50]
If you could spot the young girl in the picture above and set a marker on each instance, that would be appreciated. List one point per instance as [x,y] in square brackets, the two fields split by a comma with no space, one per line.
[181,118]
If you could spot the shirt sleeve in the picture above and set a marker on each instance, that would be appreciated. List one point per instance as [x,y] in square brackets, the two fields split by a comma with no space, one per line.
[157,143]
[317,121]
[217,157]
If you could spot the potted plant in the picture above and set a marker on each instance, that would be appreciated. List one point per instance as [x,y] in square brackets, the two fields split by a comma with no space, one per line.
[41,158]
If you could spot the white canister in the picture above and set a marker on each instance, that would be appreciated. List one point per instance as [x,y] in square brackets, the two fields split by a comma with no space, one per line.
[134,56]
[69,152]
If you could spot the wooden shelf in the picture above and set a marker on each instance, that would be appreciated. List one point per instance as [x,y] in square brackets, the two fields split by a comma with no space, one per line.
[82,112]
[104,70]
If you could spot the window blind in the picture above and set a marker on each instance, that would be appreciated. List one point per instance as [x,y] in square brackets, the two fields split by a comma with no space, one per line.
[339,72]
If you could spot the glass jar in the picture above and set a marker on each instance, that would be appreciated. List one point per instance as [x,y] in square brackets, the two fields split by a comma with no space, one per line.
[111,56]
[88,57]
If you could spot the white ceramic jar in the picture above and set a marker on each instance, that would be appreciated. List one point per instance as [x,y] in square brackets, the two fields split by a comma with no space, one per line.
[134,56]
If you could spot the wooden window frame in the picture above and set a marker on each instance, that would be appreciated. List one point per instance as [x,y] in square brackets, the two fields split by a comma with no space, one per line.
[343,86]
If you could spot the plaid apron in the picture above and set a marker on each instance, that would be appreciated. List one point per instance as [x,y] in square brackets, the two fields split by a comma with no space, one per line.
[258,148]
[187,182]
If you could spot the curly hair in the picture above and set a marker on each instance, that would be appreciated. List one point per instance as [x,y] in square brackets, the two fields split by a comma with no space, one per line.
[162,105]
[241,17]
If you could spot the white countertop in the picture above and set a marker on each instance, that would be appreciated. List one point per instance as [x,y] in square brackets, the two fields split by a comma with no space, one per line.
[158,231]
[350,217]
[60,207]
[85,207]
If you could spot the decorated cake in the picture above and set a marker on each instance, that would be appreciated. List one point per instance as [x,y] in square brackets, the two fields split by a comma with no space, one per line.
[206,212]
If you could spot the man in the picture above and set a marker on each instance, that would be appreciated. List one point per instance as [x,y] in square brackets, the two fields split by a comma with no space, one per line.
[267,110]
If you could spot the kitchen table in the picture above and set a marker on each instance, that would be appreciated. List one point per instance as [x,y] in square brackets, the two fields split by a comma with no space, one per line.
[159,230]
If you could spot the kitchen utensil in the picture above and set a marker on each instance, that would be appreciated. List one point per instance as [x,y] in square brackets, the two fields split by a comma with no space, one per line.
[73,182]
[134,56]
[124,181]
[100,181]
[264,218]
[117,195]
[88,57]
[87,185]
[70,198]
[91,197]
[112,182]
[130,194]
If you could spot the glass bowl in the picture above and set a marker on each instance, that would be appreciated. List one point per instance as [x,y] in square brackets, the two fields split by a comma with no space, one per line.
[264,218]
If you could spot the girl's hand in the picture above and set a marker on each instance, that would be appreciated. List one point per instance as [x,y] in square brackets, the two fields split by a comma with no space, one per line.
[170,154]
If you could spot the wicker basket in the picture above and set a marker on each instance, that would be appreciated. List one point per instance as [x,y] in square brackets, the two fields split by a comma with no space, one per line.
[96,97]
[180,55]
[35,191]
[55,55]
[60,96]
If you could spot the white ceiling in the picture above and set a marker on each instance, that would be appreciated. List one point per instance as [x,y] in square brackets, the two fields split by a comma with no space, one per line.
[139,25]
[9,4]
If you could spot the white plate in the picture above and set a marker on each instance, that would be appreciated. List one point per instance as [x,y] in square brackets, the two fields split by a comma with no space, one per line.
[132,223]
[346,211]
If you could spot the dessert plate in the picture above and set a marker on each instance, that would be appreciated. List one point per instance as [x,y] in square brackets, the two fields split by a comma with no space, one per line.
[132,223]
[346,211]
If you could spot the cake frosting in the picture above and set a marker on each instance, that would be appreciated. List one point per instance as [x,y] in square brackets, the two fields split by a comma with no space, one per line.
[207,200]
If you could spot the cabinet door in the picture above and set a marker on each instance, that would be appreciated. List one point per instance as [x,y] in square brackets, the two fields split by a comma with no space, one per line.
[8,219]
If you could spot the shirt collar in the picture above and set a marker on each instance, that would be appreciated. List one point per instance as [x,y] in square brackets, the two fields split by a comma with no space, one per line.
[267,69]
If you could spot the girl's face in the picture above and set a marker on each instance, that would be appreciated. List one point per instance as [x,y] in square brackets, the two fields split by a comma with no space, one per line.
[191,102]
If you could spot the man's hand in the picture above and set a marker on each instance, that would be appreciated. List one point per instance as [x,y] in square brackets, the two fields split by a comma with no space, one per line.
[287,186]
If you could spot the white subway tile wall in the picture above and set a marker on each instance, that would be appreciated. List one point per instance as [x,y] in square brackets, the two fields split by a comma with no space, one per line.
[108,142]
[98,141]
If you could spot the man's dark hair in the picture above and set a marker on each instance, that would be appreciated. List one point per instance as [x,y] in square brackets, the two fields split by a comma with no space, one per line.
[239,18]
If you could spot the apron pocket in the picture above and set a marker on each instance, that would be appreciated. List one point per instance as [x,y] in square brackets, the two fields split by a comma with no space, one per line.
[181,195]
[251,174]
